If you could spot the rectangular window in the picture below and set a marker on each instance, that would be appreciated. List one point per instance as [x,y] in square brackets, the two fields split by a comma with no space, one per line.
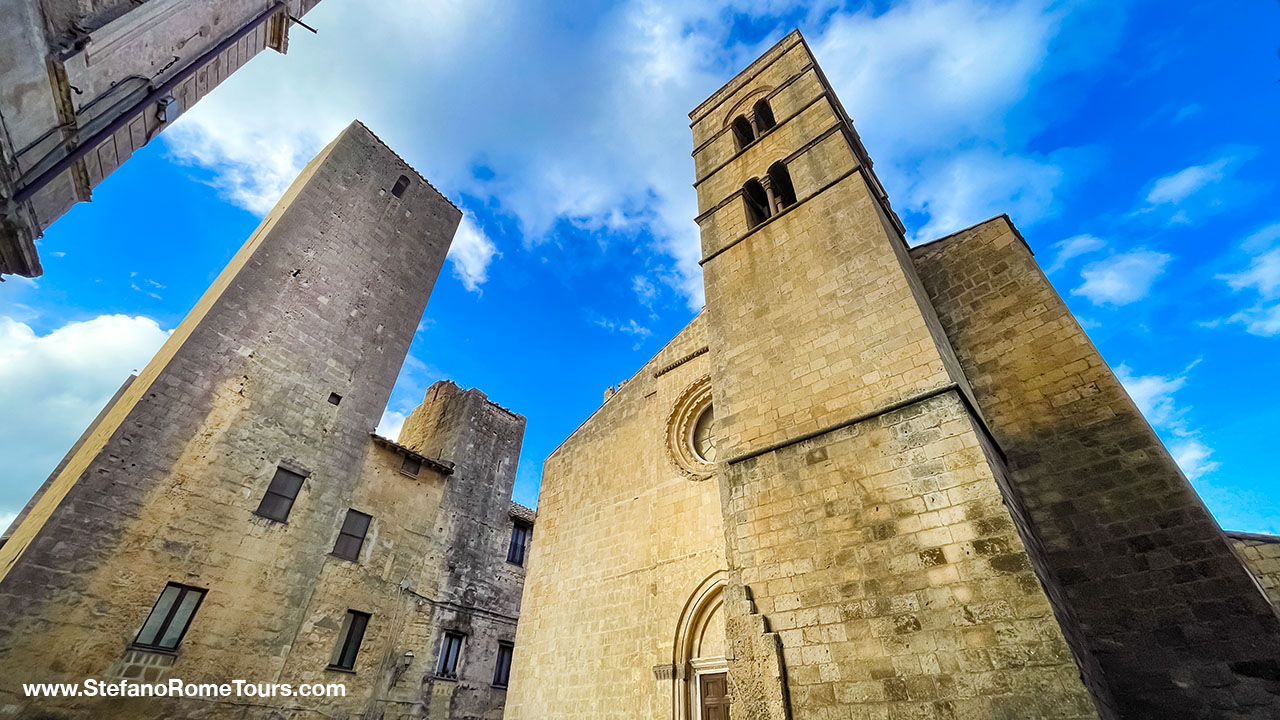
[520,532]
[351,536]
[450,654]
[502,673]
[281,493]
[411,465]
[344,654]
[170,617]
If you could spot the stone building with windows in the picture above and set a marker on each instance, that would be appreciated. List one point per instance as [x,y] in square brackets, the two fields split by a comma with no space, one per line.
[231,515]
[85,83]
[873,480]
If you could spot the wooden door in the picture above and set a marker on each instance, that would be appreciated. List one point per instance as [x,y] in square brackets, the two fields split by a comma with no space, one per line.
[714,691]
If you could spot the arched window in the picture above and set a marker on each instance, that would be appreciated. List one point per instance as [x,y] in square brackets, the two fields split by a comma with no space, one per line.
[764,116]
[784,193]
[400,186]
[757,202]
[742,132]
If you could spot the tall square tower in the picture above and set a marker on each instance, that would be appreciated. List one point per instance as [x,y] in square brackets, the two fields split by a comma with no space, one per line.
[867,511]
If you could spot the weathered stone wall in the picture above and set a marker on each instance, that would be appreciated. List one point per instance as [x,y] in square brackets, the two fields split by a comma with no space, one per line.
[883,555]
[323,298]
[1176,624]
[475,590]
[68,68]
[864,508]
[1261,555]
[766,382]
[625,540]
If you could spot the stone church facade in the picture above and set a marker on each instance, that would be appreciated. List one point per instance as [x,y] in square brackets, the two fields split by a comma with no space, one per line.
[231,515]
[873,480]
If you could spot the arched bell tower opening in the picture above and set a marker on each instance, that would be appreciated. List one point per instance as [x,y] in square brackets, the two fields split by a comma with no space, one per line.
[700,688]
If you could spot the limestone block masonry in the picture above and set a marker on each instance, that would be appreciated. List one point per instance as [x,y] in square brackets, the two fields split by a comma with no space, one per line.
[935,499]
[285,365]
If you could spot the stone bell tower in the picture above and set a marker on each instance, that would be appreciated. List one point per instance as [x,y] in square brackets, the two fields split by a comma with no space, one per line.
[871,535]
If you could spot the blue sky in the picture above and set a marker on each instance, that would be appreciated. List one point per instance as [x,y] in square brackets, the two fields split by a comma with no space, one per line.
[1133,144]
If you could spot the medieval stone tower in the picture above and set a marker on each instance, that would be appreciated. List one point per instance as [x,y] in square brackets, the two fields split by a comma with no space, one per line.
[229,516]
[930,496]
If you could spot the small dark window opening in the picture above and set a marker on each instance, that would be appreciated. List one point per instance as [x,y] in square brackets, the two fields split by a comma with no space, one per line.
[742,132]
[757,202]
[784,193]
[278,500]
[450,654]
[170,617]
[344,654]
[401,185]
[411,465]
[334,398]
[520,532]
[351,537]
[764,116]
[502,672]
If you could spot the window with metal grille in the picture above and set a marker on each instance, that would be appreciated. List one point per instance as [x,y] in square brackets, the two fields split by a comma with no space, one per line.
[170,617]
[283,490]
[344,654]
[351,537]
[502,672]
[450,655]
[520,532]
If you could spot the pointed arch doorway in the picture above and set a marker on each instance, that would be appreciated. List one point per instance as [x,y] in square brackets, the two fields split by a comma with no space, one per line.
[701,689]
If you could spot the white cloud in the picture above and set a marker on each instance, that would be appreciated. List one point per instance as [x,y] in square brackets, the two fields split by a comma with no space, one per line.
[52,386]
[391,424]
[644,289]
[471,253]
[1074,247]
[1260,278]
[6,519]
[1154,396]
[590,127]
[1189,195]
[965,188]
[1187,111]
[1180,185]
[627,327]
[1122,278]
[1193,457]
[1262,275]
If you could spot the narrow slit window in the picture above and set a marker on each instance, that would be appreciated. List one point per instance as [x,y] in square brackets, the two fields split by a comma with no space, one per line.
[757,202]
[170,617]
[351,537]
[450,655]
[784,193]
[520,532]
[402,184]
[502,671]
[278,500]
[764,116]
[742,132]
[344,653]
